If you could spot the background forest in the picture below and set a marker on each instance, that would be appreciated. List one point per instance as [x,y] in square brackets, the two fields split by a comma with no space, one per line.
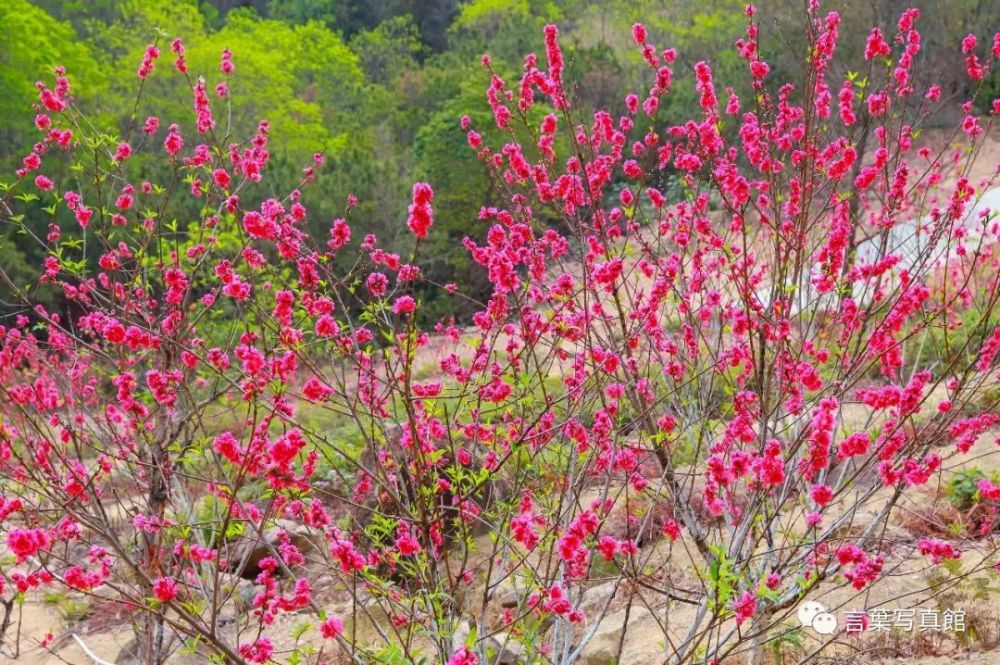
[379,87]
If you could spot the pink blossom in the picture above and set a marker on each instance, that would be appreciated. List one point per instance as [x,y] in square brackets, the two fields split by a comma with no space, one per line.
[259,651]
[315,390]
[744,607]
[173,143]
[165,589]
[404,305]
[876,46]
[377,284]
[938,550]
[421,215]
[226,64]
[25,543]
[639,34]
[463,656]
[332,628]
[148,57]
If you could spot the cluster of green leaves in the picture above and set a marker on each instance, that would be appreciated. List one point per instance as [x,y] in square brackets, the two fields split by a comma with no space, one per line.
[962,489]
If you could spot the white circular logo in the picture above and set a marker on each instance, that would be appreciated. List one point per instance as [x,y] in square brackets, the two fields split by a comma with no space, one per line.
[814,615]
[825,623]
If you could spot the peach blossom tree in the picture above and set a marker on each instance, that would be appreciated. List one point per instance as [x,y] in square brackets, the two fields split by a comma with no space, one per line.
[709,339]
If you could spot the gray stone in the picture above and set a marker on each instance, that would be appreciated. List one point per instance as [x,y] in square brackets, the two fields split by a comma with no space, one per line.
[643,640]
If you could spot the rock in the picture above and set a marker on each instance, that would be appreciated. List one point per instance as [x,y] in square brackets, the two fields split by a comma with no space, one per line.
[643,640]
[329,489]
[501,648]
[642,522]
[508,593]
[595,597]
[508,651]
[244,595]
[460,637]
[250,549]
[133,652]
[365,620]
[324,583]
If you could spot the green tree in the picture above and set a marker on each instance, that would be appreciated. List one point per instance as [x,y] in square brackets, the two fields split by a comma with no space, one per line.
[390,49]
[32,43]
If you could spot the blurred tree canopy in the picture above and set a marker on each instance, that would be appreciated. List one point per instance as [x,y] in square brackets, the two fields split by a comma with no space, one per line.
[379,86]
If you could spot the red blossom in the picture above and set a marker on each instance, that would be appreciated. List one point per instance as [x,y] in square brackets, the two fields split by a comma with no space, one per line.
[421,215]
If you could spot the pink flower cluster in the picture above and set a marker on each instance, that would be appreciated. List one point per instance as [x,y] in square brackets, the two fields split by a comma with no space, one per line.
[860,569]
[938,550]
[421,215]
